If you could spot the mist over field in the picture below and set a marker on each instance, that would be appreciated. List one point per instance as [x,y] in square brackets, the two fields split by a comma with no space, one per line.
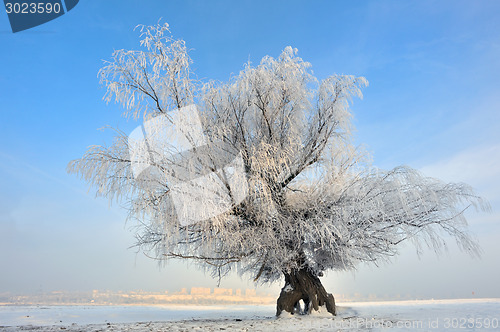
[442,315]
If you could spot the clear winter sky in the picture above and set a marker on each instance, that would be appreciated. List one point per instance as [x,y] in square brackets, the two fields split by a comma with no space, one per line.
[433,103]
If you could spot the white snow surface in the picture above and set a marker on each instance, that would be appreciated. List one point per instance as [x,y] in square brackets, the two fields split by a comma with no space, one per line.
[431,315]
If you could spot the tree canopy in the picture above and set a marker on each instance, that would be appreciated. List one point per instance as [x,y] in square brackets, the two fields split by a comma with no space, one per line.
[312,199]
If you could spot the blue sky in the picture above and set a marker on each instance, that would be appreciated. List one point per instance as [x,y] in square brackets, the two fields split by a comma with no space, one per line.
[432,103]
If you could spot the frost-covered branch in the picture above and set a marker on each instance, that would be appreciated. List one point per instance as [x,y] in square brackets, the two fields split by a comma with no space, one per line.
[313,202]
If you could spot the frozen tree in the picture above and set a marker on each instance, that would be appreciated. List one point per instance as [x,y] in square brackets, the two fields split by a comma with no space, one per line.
[311,200]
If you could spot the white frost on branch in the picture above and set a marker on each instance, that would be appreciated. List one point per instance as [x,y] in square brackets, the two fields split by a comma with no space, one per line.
[314,201]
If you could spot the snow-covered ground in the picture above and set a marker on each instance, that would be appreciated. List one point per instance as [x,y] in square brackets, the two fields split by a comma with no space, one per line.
[439,315]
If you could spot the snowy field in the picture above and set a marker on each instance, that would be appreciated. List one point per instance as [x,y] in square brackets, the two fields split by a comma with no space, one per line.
[439,315]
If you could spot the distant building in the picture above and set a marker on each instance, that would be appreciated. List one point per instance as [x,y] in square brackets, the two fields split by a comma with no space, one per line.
[250,292]
[238,292]
[182,292]
[200,291]
[223,291]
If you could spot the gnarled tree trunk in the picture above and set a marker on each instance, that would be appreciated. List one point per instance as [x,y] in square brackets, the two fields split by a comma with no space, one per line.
[303,285]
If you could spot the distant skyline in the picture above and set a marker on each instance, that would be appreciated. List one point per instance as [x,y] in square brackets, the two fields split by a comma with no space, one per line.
[195,295]
[433,103]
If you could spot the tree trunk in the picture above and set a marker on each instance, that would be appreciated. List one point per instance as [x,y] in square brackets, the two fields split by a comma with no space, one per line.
[303,285]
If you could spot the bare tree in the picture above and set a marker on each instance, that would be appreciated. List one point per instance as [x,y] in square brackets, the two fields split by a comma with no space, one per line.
[312,202]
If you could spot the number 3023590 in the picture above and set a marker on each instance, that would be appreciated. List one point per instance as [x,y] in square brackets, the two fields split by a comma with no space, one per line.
[32,8]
